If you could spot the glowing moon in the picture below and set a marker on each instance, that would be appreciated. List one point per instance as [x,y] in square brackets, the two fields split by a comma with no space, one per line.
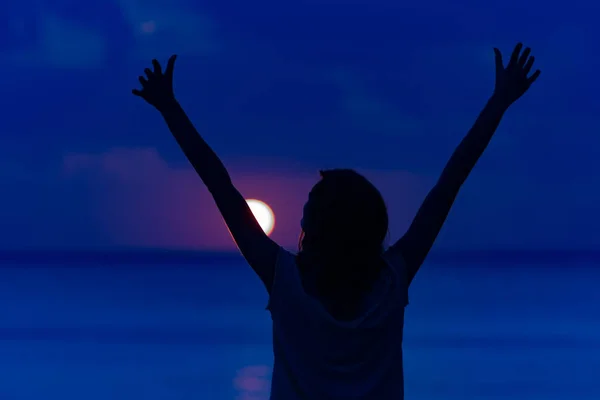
[263,214]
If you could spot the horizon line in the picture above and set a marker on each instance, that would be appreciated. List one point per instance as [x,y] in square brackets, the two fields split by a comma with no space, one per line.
[156,256]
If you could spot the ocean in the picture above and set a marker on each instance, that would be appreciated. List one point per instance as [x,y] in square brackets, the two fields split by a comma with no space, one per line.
[119,327]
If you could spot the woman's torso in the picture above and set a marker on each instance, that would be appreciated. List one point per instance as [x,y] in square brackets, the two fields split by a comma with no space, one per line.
[320,357]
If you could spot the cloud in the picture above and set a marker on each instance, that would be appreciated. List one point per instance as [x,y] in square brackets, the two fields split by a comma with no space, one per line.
[136,198]
[415,141]
[132,197]
[167,29]
[141,200]
[62,44]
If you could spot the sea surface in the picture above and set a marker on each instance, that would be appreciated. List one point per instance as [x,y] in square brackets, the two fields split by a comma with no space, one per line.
[199,330]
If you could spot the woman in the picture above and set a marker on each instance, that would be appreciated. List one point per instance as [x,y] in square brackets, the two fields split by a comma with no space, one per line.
[338,305]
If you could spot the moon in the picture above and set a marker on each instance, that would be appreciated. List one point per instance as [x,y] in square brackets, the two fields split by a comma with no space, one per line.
[263,214]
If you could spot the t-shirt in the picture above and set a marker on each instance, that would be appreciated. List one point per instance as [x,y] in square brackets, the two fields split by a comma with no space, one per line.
[320,358]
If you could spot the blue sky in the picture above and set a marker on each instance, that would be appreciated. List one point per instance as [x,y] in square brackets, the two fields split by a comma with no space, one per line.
[281,89]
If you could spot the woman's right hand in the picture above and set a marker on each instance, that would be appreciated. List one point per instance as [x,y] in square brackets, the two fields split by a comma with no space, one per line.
[157,86]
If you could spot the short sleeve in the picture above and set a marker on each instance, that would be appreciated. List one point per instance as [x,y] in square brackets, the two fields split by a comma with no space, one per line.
[287,287]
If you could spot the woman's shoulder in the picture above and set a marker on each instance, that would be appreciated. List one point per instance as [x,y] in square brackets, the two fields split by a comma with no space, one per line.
[394,259]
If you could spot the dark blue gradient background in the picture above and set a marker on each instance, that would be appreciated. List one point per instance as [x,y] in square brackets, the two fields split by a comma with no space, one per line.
[281,89]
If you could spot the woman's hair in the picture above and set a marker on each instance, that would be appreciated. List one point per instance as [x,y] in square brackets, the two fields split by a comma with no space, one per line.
[344,226]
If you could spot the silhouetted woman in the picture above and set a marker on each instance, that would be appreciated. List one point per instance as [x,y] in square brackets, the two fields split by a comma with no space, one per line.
[338,305]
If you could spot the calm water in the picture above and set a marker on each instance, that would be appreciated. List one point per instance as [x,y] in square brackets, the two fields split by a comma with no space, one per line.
[182,332]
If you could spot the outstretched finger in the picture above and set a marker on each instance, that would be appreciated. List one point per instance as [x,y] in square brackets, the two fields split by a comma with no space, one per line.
[528,65]
[170,66]
[498,59]
[142,80]
[149,73]
[137,92]
[157,67]
[514,58]
[524,56]
[533,77]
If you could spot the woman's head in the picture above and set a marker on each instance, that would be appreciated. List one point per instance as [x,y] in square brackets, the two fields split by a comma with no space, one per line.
[344,212]
[344,225]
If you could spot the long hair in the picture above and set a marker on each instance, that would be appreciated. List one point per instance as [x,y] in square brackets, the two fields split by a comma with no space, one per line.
[344,227]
